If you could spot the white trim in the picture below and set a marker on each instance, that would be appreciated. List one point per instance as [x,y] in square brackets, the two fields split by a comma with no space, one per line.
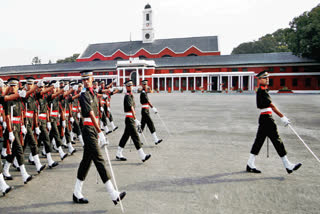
[295,74]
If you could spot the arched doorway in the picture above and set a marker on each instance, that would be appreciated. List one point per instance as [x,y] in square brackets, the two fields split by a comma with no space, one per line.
[133,77]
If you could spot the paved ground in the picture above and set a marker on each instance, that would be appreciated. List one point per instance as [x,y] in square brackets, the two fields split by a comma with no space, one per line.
[198,169]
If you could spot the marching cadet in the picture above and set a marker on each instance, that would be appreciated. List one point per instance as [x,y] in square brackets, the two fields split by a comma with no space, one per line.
[4,187]
[31,121]
[3,126]
[109,92]
[14,117]
[74,119]
[44,121]
[53,99]
[146,119]
[91,131]
[102,112]
[65,104]
[131,123]
[268,128]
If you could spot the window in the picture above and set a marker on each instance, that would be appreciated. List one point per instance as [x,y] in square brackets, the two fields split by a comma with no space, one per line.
[65,75]
[270,69]
[192,54]
[96,59]
[167,55]
[142,57]
[282,69]
[118,58]
[270,82]
[185,71]
[295,82]
[308,82]
[234,69]
[198,82]
[295,69]
[191,82]
[244,69]
[171,71]
[183,82]
[38,76]
[147,17]
[282,82]
[54,75]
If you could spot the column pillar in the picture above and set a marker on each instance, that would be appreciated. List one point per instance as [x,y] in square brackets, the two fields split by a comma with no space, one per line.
[207,83]
[152,82]
[194,83]
[158,83]
[179,83]
[165,84]
[138,78]
[187,83]
[142,73]
[124,75]
[202,81]
[172,85]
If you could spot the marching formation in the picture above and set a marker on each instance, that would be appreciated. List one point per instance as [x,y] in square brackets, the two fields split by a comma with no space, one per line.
[54,114]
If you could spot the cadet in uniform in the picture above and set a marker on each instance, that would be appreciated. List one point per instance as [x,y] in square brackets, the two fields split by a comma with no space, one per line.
[268,128]
[31,122]
[13,111]
[44,121]
[146,119]
[91,131]
[75,120]
[131,124]
[53,99]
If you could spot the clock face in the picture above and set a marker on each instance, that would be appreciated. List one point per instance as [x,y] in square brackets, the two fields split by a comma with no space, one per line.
[147,36]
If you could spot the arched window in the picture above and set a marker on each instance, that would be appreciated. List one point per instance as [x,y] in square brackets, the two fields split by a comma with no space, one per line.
[118,58]
[142,57]
[166,56]
[192,54]
[96,59]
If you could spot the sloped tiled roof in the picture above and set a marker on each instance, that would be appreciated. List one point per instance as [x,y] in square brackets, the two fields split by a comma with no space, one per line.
[177,45]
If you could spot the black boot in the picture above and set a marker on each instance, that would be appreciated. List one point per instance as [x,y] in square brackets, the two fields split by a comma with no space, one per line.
[42,168]
[54,164]
[121,196]
[79,200]
[253,170]
[159,141]
[7,190]
[146,158]
[296,167]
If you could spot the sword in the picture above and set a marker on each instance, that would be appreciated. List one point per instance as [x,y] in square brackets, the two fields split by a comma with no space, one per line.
[163,124]
[304,143]
[114,178]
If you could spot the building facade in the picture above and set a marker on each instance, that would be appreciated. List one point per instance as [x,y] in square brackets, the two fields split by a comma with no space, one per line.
[179,64]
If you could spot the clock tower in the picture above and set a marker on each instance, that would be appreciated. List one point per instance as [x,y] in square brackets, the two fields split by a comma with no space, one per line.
[147,28]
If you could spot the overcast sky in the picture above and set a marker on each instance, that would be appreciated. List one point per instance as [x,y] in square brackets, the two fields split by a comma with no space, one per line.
[57,29]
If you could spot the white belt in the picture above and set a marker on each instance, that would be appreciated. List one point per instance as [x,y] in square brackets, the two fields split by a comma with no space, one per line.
[55,113]
[265,110]
[74,108]
[29,114]
[88,119]
[145,106]
[129,114]
[15,118]
[43,115]
[66,114]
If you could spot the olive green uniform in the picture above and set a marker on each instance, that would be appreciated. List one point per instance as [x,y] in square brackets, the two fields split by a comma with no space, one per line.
[54,111]
[130,129]
[267,126]
[43,110]
[31,110]
[146,119]
[75,108]
[91,152]
[17,150]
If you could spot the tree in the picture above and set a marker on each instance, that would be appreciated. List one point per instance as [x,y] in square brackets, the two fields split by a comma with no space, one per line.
[304,38]
[275,42]
[72,58]
[36,61]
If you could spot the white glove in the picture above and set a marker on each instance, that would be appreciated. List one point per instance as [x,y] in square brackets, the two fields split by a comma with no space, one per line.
[23,130]
[49,126]
[11,137]
[1,119]
[22,93]
[75,87]
[4,125]
[40,83]
[71,119]
[104,96]
[102,140]
[96,90]
[56,85]
[1,83]
[66,88]
[137,122]
[37,130]
[78,115]
[154,110]
[285,120]
[64,124]
[101,109]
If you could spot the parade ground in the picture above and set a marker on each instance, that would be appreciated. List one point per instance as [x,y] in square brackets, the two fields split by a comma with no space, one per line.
[198,168]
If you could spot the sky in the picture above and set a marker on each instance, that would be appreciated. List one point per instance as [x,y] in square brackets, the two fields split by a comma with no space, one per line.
[53,30]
